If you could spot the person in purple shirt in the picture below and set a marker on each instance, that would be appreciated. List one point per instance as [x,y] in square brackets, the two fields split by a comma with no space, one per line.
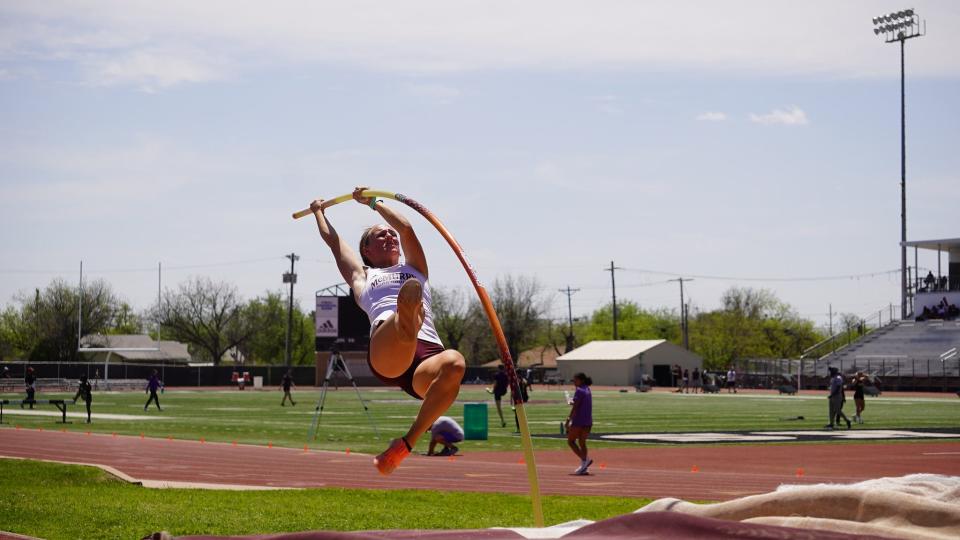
[152,386]
[580,421]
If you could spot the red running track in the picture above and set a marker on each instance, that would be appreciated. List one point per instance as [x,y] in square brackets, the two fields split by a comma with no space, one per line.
[722,472]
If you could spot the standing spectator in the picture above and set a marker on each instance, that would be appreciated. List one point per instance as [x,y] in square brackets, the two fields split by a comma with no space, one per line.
[836,399]
[29,382]
[858,383]
[685,383]
[85,392]
[287,383]
[500,383]
[929,281]
[732,380]
[5,374]
[580,421]
[697,384]
[677,374]
[153,385]
[524,386]
[445,431]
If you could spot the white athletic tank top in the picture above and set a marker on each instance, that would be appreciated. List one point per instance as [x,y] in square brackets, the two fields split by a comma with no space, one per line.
[379,297]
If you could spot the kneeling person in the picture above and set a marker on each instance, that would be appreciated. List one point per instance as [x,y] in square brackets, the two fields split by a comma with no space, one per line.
[445,431]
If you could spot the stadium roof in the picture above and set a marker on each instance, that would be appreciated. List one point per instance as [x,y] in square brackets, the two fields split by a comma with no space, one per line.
[944,244]
[172,351]
[612,350]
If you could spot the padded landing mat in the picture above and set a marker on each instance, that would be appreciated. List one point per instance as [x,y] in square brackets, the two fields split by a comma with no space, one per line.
[649,525]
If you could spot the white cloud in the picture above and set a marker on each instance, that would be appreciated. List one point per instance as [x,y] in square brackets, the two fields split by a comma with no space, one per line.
[152,70]
[745,36]
[711,116]
[793,116]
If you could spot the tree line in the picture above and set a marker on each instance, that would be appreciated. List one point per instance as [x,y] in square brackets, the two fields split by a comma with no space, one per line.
[218,324]
[211,317]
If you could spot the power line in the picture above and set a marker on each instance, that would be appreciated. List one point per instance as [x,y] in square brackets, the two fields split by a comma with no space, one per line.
[779,279]
[146,269]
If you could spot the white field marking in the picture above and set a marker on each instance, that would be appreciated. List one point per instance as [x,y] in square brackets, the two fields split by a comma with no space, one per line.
[232,409]
[311,412]
[870,434]
[940,454]
[696,437]
[99,416]
[170,484]
[871,399]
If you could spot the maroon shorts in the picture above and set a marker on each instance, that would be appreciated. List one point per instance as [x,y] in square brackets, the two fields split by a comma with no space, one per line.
[425,349]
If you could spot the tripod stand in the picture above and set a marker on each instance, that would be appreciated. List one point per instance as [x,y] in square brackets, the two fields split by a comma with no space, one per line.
[336,364]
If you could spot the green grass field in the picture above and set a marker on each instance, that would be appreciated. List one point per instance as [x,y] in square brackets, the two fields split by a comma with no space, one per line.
[54,501]
[255,417]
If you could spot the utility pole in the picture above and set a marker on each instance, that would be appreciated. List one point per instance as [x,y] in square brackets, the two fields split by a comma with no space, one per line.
[569,292]
[613,283]
[290,278]
[830,314]
[683,314]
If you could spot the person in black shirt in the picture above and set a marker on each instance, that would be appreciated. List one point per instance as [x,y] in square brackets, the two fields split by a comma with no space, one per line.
[85,392]
[500,383]
[859,381]
[29,381]
[286,383]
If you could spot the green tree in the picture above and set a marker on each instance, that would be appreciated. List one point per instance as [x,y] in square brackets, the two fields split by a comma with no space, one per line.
[632,323]
[753,323]
[207,316]
[450,315]
[267,316]
[56,313]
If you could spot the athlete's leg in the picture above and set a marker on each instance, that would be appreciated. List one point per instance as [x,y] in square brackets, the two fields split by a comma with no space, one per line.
[437,379]
[394,341]
[572,442]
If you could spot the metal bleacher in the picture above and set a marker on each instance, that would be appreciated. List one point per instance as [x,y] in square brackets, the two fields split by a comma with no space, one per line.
[903,349]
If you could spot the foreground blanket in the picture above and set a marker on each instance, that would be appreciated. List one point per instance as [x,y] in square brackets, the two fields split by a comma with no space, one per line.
[920,506]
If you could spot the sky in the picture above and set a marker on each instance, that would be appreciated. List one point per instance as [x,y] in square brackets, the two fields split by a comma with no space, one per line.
[738,143]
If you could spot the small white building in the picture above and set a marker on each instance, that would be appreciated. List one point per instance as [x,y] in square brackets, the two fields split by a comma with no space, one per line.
[624,363]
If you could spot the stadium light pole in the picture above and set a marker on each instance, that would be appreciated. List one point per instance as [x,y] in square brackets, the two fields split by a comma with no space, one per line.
[900,26]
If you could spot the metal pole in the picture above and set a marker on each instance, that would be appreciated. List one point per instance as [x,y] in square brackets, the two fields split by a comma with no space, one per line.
[569,292]
[293,279]
[903,183]
[613,283]
[80,309]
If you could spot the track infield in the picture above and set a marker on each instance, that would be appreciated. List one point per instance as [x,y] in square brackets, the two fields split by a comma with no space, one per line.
[689,472]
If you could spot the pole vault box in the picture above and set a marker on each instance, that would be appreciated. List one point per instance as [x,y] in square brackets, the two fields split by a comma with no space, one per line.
[475,421]
[341,324]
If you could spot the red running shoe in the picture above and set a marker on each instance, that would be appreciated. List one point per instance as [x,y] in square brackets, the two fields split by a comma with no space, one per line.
[390,458]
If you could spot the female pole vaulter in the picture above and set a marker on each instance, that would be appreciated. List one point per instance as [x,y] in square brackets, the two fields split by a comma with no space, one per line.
[405,349]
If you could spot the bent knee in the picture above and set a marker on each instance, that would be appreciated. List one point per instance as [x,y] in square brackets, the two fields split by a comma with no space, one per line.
[453,364]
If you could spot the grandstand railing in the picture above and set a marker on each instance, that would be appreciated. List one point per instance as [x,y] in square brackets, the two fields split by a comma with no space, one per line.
[834,344]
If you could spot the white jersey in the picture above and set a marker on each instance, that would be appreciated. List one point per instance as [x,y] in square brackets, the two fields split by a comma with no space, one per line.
[379,297]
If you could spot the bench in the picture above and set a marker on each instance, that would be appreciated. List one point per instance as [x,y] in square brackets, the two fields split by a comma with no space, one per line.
[60,404]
